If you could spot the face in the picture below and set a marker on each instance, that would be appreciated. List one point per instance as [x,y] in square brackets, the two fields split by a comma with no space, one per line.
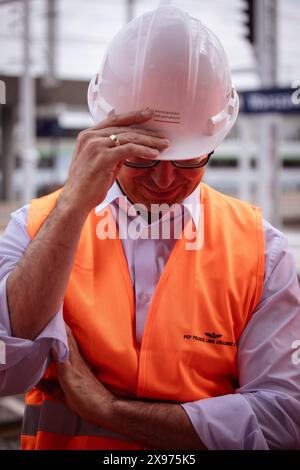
[163,183]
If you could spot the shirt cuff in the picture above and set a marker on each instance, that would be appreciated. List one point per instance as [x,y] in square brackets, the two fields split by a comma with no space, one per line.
[226,423]
[13,350]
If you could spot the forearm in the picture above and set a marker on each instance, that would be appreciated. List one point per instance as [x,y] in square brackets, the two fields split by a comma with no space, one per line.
[36,286]
[157,425]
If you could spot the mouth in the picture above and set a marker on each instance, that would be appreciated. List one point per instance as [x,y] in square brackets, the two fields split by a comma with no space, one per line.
[162,193]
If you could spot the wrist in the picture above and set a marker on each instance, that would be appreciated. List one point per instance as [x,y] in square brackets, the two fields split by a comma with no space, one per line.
[70,206]
[102,411]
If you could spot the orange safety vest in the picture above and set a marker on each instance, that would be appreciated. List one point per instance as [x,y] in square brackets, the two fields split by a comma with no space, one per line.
[200,308]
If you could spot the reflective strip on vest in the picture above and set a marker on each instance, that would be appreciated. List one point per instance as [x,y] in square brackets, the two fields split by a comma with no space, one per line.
[57,418]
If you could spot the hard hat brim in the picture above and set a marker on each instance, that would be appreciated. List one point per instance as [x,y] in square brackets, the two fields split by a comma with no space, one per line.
[187,147]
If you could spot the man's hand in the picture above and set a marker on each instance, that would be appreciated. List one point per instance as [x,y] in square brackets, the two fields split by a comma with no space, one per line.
[96,160]
[77,386]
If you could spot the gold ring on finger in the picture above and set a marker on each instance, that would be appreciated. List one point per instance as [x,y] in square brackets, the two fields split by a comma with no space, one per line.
[115,140]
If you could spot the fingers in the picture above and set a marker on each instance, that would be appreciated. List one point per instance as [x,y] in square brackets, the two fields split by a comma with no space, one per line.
[121,153]
[131,145]
[120,126]
[68,330]
[92,132]
[129,133]
[137,130]
[93,140]
[75,356]
[126,119]
[73,347]
[51,387]
[141,139]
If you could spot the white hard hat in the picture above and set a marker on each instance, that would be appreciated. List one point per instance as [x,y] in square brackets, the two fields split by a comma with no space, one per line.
[169,61]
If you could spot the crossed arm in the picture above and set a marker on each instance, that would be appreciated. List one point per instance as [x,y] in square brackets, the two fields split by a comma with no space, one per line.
[157,425]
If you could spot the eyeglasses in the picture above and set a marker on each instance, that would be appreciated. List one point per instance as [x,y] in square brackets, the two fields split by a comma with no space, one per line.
[137,162]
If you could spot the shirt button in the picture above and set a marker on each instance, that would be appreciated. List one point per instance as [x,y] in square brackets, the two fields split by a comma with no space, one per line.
[145,298]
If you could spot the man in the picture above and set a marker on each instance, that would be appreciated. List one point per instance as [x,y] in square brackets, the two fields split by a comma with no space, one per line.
[168,345]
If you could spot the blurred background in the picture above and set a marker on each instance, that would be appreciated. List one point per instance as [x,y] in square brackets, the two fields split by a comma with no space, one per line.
[50,49]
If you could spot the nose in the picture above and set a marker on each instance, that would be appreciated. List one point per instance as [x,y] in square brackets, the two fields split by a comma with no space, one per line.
[164,174]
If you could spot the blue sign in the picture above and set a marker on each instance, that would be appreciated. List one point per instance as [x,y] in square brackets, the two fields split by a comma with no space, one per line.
[272,100]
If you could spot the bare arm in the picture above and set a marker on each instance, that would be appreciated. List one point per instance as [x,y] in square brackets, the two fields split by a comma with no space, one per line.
[156,425]
[35,288]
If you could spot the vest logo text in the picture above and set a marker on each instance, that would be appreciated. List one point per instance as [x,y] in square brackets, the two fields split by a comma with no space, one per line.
[212,338]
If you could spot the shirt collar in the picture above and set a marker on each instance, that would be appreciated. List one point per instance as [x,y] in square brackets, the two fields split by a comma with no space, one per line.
[191,203]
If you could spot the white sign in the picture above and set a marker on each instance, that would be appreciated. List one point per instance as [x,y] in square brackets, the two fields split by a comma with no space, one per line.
[2,353]
[2,92]
[296,354]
